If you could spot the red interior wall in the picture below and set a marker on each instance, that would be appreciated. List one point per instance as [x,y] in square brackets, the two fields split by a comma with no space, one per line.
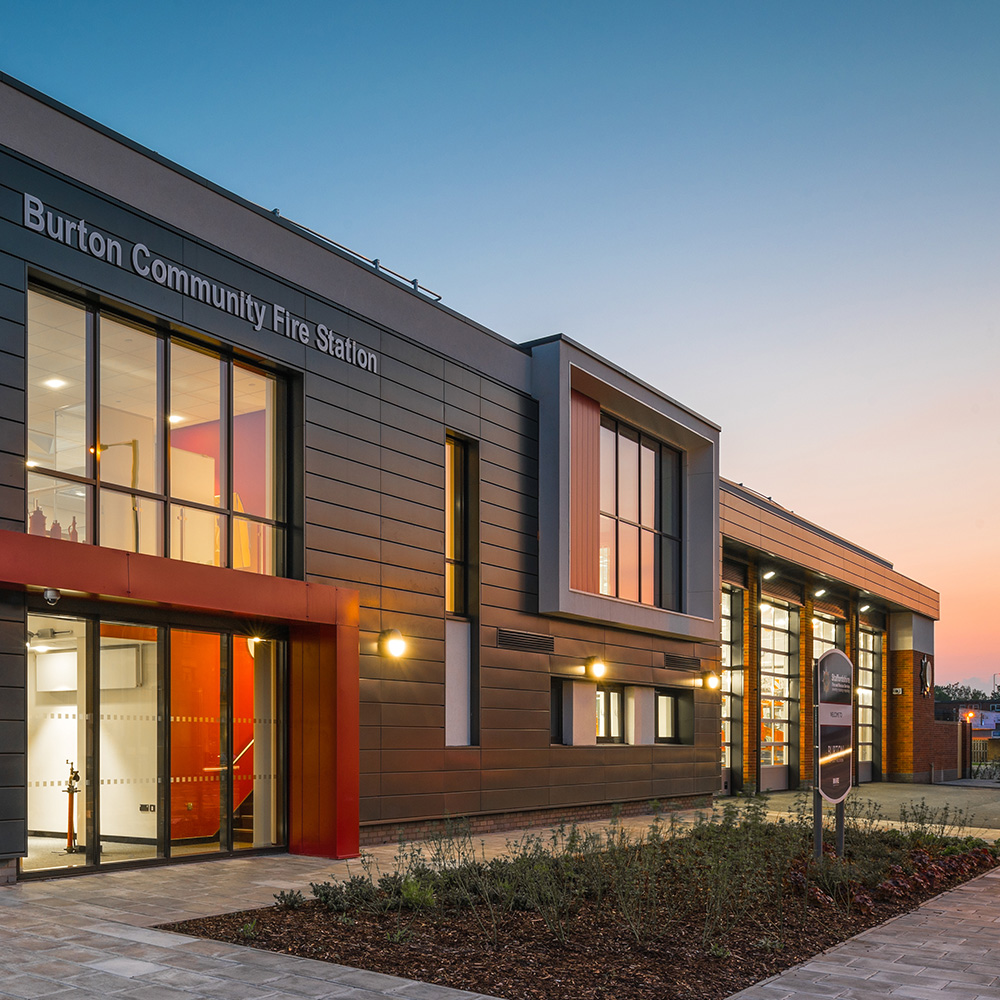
[194,734]
[243,716]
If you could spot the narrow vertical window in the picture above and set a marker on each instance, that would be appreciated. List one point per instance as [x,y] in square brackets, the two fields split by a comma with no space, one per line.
[456,526]
[461,531]
[610,715]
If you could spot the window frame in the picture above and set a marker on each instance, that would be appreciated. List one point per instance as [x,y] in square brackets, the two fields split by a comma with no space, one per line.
[614,693]
[670,696]
[457,504]
[782,723]
[95,487]
[668,540]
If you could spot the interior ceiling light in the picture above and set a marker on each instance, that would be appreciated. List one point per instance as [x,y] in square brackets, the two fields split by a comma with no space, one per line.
[865,607]
[55,383]
[820,592]
[175,418]
[765,607]
[769,574]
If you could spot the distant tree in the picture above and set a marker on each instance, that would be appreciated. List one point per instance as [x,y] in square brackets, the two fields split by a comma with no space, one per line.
[959,692]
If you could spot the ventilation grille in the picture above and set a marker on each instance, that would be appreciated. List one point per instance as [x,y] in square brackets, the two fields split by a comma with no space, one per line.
[528,642]
[674,662]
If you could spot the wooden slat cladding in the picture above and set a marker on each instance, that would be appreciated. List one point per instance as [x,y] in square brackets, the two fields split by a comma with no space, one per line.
[585,492]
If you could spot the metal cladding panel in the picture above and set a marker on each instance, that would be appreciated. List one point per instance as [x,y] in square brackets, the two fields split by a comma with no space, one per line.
[371,477]
[768,529]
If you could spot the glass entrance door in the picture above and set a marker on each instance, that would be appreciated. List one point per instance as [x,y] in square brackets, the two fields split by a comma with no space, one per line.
[147,742]
[130,738]
[199,764]
[60,746]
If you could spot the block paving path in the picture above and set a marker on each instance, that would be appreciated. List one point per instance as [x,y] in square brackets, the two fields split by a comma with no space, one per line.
[93,937]
[947,949]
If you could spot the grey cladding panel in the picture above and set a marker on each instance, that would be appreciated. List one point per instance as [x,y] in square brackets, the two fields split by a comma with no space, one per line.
[12,670]
[343,470]
[13,838]
[413,401]
[397,372]
[12,372]
[428,449]
[13,769]
[12,737]
[430,429]
[12,404]
[11,272]
[12,341]
[11,304]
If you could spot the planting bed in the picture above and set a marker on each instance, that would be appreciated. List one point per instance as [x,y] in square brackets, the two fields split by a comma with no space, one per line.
[669,915]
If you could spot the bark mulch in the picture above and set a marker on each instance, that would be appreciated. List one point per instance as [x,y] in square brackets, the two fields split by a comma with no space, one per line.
[599,961]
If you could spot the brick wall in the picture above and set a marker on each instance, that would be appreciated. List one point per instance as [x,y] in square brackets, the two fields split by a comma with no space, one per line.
[805,727]
[917,745]
[389,833]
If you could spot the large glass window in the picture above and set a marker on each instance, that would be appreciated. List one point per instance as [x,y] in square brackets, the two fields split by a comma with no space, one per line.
[869,668]
[146,443]
[640,525]
[778,642]
[828,633]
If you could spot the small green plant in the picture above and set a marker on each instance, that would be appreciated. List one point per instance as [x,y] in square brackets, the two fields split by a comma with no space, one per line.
[249,930]
[293,900]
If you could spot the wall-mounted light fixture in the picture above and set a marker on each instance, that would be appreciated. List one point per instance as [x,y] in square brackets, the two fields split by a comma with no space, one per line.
[595,666]
[710,679]
[252,641]
[391,643]
[769,574]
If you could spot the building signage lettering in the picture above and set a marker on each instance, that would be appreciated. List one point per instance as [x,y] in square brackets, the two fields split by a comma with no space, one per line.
[142,261]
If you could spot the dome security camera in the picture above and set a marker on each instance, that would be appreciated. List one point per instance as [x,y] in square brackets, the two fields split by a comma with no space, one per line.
[51,595]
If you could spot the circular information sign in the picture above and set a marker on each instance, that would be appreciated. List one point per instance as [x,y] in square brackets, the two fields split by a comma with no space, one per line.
[835,719]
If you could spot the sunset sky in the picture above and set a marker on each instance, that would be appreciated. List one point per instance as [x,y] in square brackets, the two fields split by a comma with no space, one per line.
[785,215]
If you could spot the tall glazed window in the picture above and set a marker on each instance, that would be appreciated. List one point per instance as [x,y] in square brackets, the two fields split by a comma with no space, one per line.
[640,518]
[869,670]
[732,675]
[144,442]
[456,526]
[778,643]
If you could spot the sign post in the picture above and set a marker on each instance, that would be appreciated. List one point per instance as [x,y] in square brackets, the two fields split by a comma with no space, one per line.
[834,744]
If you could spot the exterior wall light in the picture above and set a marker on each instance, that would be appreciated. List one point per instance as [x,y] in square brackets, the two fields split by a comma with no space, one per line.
[391,643]
[595,666]
[710,679]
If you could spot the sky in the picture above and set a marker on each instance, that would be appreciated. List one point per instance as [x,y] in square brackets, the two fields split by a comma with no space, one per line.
[783,214]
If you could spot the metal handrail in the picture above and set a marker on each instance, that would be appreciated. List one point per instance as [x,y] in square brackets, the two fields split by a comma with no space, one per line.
[372,262]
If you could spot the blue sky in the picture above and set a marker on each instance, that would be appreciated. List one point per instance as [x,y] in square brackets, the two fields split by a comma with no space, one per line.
[784,214]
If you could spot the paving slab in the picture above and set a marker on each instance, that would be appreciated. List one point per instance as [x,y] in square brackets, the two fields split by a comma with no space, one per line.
[95,936]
